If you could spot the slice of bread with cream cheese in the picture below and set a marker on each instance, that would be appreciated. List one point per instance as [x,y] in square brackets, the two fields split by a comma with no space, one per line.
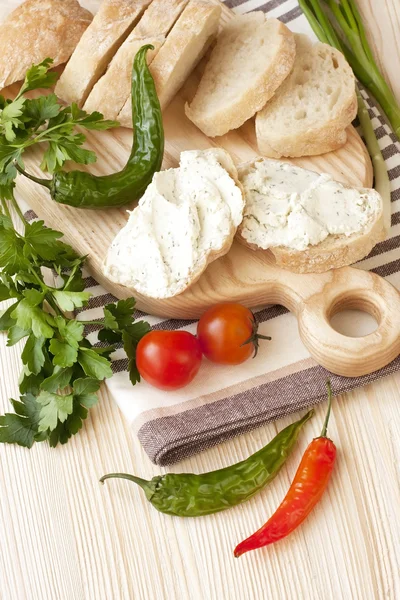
[310,222]
[186,219]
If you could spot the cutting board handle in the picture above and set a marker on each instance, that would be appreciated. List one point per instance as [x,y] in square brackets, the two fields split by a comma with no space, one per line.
[351,288]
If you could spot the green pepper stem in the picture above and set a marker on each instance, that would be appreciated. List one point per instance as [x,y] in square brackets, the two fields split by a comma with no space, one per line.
[143,483]
[45,182]
[328,412]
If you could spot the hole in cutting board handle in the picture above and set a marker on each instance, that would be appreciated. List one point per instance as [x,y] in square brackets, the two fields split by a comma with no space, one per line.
[353,323]
[354,316]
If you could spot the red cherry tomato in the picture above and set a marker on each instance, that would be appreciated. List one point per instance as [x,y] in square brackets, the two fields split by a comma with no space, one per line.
[168,360]
[228,334]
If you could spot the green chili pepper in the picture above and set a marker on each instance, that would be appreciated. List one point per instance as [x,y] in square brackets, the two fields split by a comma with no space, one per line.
[83,190]
[190,495]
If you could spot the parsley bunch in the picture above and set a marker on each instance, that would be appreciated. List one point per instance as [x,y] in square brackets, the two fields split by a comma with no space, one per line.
[62,370]
[25,122]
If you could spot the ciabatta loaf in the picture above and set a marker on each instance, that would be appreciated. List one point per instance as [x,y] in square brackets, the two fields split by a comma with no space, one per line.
[310,111]
[111,91]
[186,219]
[252,58]
[185,45]
[36,30]
[309,222]
[109,28]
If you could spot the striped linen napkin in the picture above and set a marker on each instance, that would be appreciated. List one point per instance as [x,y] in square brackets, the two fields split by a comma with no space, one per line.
[223,402]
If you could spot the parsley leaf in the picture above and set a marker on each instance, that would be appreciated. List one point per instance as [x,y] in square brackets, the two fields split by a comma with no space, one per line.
[118,316]
[65,346]
[85,391]
[119,326]
[5,292]
[58,380]
[38,76]
[130,349]
[6,321]
[72,424]
[33,355]
[22,427]
[65,355]
[30,383]
[55,408]
[42,242]
[39,110]
[70,331]
[67,301]
[93,364]
[9,118]
[15,334]
[12,259]
[33,317]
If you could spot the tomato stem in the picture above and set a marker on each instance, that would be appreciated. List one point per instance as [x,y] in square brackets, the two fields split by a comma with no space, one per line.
[255,337]
[328,412]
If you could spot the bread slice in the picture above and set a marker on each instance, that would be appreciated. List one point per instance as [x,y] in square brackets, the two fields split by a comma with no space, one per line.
[252,58]
[111,91]
[187,42]
[311,110]
[37,29]
[186,219]
[109,28]
[308,221]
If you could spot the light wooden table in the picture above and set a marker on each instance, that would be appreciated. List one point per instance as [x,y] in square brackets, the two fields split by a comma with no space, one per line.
[65,537]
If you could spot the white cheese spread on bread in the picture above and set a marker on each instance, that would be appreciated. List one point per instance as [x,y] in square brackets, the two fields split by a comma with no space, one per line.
[296,208]
[187,217]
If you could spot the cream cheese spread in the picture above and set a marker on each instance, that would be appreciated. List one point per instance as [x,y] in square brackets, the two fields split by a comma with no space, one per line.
[293,207]
[184,215]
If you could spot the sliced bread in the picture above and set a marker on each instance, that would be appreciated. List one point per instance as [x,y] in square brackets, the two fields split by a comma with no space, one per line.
[37,29]
[309,222]
[111,91]
[310,111]
[252,58]
[185,45]
[186,219]
[109,28]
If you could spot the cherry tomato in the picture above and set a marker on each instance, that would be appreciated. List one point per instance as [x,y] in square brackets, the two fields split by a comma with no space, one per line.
[228,334]
[168,360]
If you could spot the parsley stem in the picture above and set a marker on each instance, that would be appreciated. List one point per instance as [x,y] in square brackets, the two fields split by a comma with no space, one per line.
[40,281]
[41,137]
[5,208]
[18,210]
[91,322]
[53,304]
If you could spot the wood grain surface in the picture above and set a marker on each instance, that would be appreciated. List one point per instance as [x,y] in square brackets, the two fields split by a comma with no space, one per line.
[64,537]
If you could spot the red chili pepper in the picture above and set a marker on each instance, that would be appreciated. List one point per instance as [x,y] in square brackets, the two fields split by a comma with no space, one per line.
[306,489]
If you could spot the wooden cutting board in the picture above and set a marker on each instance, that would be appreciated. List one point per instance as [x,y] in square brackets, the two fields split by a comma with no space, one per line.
[242,275]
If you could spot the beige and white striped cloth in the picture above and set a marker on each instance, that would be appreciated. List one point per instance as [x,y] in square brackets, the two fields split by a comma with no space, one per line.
[224,402]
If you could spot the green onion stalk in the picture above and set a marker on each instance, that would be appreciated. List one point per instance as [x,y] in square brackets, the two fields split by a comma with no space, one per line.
[341,27]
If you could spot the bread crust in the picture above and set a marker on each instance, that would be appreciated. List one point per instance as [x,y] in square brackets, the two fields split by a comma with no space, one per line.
[332,253]
[109,28]
[37,29]
[184,47]
[108,98]
[254,98]
[313,140]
